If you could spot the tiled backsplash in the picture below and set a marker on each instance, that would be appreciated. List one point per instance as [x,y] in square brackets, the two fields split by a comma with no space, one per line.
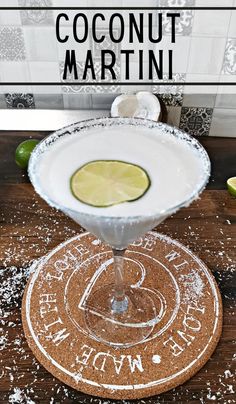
[205,50]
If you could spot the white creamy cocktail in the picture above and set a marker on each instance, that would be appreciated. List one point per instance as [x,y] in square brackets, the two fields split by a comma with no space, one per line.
[176,165]
[176,168]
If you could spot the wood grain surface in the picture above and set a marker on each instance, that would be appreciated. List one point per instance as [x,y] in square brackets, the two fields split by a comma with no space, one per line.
[29,228]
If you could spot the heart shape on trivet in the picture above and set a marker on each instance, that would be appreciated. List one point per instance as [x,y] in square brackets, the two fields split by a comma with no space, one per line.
[136,270]
[155,295]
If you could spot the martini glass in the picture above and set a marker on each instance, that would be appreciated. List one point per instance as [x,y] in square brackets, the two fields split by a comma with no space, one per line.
[117,313]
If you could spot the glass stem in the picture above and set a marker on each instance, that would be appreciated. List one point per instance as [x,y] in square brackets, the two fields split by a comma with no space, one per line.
[119,301]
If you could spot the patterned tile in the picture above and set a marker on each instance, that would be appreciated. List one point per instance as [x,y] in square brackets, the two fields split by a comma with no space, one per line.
[12,45]
[184,24]
[107,44]
[171,95]
[90,89]
[196,121]
[20,101]
[229,64]
[39,17]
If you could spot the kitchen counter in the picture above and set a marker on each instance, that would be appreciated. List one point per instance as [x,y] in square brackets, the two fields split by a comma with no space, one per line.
[29,228]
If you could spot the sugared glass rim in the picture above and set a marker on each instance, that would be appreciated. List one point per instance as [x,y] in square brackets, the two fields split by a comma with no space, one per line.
[107,122]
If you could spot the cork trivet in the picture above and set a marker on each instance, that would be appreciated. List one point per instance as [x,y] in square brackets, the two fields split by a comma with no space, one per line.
[180,344]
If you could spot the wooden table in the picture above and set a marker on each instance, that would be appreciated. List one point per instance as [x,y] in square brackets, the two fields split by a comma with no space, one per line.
[29,229]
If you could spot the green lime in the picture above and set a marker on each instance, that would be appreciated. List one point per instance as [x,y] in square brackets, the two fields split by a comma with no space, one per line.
[231,184]
[24,151]
[104,183]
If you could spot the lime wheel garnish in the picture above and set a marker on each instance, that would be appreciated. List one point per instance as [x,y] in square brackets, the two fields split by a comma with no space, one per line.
[104,183]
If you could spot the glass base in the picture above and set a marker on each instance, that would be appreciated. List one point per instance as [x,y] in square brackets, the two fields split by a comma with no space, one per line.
[121,323]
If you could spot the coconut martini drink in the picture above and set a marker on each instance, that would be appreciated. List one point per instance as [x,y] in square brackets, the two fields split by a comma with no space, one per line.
[119,178]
